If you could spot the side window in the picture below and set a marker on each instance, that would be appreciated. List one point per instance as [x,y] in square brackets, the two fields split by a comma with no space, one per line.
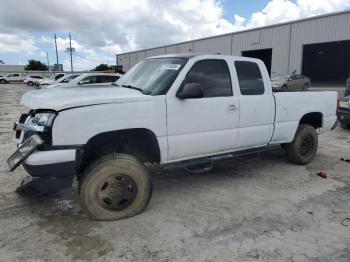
[213,75]
[15,75]
[113,78]
[249,78]
[89,80]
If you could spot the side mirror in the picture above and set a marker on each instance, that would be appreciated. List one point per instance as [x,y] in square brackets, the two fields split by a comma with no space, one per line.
[191,90]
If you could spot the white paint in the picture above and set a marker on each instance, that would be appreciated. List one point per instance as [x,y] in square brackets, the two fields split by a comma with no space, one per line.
[50,157]
[188,128]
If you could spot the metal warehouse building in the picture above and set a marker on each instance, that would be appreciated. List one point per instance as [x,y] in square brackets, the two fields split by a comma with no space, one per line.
[318,47]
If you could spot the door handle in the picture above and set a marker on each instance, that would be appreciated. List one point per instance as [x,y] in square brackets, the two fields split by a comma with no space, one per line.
[232,107]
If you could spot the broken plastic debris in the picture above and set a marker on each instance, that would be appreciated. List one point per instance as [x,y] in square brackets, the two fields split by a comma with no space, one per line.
[322,174]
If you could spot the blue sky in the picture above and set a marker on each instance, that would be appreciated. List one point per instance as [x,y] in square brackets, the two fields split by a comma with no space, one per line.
[27,27]
[242,8]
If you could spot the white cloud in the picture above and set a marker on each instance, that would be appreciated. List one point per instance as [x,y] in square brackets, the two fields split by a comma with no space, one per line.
[125,25]
[12,43]
[277,11]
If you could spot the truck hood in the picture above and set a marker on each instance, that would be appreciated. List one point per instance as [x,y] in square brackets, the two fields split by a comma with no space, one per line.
[67,97]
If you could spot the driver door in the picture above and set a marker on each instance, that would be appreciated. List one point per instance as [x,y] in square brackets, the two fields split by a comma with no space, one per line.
[207,125]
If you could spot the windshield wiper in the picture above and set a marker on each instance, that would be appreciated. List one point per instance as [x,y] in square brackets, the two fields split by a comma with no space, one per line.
[134,87]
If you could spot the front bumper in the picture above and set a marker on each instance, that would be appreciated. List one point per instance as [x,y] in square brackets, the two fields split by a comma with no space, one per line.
[344,116]
[50,171]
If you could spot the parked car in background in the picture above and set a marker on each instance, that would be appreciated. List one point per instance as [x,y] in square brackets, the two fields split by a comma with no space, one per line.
[49,81]
[343,112]
[344,107]
[292,82]
[12,77]
[63,80]
[347,89]
[170,110]
[30,79]
[88,79]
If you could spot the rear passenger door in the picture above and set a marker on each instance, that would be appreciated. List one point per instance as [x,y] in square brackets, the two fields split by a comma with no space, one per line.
[256,104]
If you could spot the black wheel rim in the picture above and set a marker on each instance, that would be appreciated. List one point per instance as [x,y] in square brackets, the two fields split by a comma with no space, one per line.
[307,145]
[117,192]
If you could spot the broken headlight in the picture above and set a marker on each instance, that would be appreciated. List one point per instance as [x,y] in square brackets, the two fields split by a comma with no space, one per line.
[39,123]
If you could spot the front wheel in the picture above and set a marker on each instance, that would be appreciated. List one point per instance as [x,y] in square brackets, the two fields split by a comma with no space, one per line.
[305,86]
[304,146]
[30,83]
[284,88]
[3,81]
[115,186]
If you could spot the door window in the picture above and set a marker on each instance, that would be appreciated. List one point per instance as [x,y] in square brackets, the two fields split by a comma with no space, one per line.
[88,80]
[213,75]
[249,78]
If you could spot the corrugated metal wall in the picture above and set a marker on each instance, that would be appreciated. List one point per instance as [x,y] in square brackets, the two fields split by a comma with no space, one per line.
[319,30]
[286,41]
[215,45]
[276,37]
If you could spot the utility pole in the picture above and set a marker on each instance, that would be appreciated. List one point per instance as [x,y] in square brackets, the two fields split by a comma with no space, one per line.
[56,51]
[48,63]
[70,50]
[108,54]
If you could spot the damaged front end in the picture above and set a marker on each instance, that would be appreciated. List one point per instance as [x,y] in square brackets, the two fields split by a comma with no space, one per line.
[50,168]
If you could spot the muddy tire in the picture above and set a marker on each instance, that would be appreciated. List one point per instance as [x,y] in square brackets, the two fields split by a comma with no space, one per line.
[304,146]
[115,186]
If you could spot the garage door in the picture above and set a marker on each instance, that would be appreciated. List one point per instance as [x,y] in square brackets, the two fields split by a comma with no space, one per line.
[327,62]
[263,54]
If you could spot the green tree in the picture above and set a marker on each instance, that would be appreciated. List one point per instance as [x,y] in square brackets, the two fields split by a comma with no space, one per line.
[101,67]
[36,65]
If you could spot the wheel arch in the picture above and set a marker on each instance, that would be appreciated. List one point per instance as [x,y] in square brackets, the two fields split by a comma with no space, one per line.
[312,118]
[142,143]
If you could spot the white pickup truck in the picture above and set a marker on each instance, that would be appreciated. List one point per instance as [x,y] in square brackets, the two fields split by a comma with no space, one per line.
[12,77]
[172,110]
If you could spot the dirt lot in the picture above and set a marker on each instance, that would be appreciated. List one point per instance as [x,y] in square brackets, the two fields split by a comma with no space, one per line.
[265,209]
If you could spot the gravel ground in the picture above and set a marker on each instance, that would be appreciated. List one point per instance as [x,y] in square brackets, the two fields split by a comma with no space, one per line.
[262,209]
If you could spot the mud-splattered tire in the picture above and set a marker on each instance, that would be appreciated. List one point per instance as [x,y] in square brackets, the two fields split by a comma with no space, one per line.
[115,186]
[304,146]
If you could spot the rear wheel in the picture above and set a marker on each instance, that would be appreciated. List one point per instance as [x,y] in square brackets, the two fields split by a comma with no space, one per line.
[304,146]
[115,186]
[3,81]
[306,86]
[30,83]
[285,88]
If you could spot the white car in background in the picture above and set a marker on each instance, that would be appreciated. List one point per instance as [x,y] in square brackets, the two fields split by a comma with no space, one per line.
[62,81]
[49,81]
[88,79]
[31,79]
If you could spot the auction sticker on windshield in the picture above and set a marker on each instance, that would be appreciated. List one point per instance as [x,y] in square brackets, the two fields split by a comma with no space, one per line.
[170,67]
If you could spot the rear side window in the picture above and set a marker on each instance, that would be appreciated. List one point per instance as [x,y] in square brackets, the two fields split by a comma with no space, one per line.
[213,75]
[249,78]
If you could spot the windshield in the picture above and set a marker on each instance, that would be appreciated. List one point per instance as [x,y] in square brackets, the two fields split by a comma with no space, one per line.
[153,76]
[278,78]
